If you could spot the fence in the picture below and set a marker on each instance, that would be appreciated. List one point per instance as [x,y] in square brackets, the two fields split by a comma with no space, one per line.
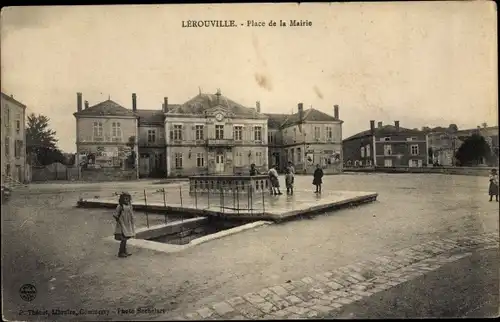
[228,198]
[54,171]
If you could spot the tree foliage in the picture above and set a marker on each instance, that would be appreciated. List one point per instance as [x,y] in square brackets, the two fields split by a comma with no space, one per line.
[41,142]
[453,127]
[473,150]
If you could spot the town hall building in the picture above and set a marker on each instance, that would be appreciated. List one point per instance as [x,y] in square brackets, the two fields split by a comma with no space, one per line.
[208,134]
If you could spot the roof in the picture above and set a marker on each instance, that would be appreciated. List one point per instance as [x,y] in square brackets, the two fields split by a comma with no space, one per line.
[310,114]
[202,102]
[384,130]
[11,98]
[275,120]
[107,107]
[151,116]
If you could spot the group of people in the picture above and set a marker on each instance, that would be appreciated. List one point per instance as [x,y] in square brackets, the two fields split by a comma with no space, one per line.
[289,178]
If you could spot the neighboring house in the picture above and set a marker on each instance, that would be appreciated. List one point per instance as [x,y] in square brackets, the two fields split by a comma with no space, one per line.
[103,132]
[13,160]
[276,154]
[444,143]
[386,146]
[307,138]
[211,134]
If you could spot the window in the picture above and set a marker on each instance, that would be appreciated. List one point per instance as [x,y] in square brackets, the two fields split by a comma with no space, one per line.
[329,133]
[177,135]
[367,150]
[294,133]
[292,155]
[362,151]
[199,132]
[385,139]
[387,149]
[317,132]
[299,155]
[414,149]
[258,133]
[151,136]
[18,122]
[387,163]
[238,133]
[178,160]
[368,162]
[200,160]
[413,163]
[18,148]
[7,146]
[97,130]
[7,116]
[116,130]
[7,170]
[269,138]
[411,139]
[258,158]
[239,159]
[219,132]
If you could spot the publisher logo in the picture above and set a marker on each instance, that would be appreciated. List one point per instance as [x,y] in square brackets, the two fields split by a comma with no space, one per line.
[28,292]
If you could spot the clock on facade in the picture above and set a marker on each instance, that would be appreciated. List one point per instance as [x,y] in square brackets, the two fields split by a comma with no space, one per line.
[219,117]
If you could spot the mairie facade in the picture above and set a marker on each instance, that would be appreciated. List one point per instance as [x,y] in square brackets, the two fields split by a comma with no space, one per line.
[208,134]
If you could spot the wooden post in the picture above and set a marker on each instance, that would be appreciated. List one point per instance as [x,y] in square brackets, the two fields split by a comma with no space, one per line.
[145,208]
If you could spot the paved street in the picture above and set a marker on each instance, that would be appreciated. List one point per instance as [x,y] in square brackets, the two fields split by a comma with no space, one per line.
[61,249]
[467,287]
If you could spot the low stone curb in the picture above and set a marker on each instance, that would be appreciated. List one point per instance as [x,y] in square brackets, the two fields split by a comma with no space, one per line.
[325,293]
[170,248]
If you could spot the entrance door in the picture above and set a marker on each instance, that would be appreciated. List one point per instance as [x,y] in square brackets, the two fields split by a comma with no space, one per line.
[219,162]
[277,159]
[19,173]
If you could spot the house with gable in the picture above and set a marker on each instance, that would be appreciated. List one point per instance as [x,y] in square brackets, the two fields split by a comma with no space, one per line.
[386,146]
[307,138]
[106,138]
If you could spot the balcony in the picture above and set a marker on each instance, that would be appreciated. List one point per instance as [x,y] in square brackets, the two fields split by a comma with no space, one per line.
[220,142]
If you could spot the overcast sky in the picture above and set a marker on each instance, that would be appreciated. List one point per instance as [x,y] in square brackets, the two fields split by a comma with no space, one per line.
[419,63]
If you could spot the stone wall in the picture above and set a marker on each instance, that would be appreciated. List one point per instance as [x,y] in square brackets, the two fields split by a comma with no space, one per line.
[108,174]
[470,171]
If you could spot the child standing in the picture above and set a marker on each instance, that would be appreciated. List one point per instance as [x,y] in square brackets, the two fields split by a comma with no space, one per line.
[493,191]
[289,178]
[125,227]
[318,178]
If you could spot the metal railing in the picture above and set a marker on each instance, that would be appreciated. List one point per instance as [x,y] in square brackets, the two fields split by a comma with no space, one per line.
[244,200]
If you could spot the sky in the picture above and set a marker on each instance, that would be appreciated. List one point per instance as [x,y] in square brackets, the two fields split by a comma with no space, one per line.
[422,63]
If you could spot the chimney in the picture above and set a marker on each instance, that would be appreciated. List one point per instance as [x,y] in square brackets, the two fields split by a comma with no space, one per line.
[86,104]
[372,125]
[301,111]
[134,102]
[257,104]
[379,125]
[396,124]
[165,104]
[336,112]
[79,102]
